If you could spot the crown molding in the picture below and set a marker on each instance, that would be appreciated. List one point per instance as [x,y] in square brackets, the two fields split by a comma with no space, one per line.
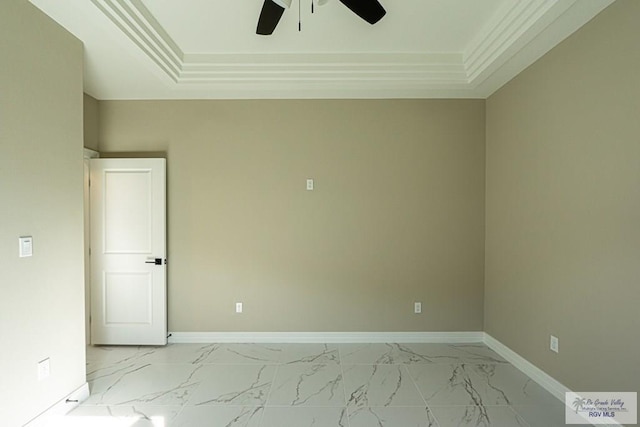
[548,25]
[475,73]
[139,25]
[426,68]
[508,26]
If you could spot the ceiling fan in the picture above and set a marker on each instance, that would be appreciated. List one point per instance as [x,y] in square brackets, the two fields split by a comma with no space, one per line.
[272,10]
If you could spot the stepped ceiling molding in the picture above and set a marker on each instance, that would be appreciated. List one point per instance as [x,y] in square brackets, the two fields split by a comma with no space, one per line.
[208,49]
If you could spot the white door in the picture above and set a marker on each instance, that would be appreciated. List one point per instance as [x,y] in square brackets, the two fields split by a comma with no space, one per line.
[128,252]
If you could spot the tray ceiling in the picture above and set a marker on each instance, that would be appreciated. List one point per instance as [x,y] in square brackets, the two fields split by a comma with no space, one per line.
[208,49]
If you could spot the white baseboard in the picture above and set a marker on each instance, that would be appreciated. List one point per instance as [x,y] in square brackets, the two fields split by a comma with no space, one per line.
[545,380]
[48,417]
[325,337]
[538,375]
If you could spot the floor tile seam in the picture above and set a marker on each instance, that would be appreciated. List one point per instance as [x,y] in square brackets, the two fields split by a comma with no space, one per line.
[355,407]
[219,405]
[266,400]
[315,405]
[141,364]
[459,405]
[236,405]
[404,369]
[236,363]
[308,363]
[520,416]
[241,364]
[518,402]
[100,366]
[378,364]
[415,384]
[162,363]
[449,362]
[344,386]
[426,405]
[353,411]
[182,408]
[200,382]
[435,407]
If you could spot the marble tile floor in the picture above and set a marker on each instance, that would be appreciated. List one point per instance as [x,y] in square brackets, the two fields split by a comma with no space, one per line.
[305,385]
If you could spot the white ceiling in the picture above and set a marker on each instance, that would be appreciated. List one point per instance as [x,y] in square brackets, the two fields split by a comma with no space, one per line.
[208,49]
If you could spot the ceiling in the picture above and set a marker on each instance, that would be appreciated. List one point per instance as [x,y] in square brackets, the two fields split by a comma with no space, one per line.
[208,49]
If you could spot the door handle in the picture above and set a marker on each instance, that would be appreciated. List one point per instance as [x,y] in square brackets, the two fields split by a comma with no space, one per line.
[156,261]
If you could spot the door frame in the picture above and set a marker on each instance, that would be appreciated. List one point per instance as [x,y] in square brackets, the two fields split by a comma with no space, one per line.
[88,154]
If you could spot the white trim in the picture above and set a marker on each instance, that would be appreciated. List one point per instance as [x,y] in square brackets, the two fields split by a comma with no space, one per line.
[545,380]
[492,58]
[428,69]
[514,26]
[64,406]
[529,369]
[139,25]
[326,337]
[90,154]
[544,27]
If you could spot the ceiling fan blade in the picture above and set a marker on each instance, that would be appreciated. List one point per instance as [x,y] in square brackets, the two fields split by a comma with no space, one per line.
[369,10]
[269,17]
[283,3]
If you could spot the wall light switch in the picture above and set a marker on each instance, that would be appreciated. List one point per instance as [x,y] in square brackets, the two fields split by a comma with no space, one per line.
[554,344]
[25,248]
[310,184]
[44,369]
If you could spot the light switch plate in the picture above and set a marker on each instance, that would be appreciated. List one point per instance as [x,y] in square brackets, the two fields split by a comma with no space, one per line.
[25,246]
[554,344]
[44,369]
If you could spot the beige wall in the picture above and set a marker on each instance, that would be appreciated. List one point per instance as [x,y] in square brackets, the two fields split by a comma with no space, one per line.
[90,105]
[563,207]
[397,215]
[41,308]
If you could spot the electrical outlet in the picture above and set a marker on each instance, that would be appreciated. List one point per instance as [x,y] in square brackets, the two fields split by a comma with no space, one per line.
[417,307]
[238,307]
[553,344]
[44,369]
[310,184]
